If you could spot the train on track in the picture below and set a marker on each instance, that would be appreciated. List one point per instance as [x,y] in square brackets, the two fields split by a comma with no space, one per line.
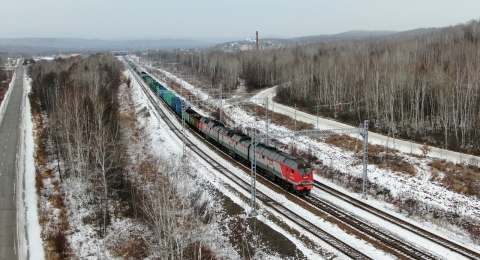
[291,172]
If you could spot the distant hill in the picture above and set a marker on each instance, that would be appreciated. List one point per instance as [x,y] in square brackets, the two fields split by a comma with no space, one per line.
[350,35]
[78,45]
[359,35]
[415,32]
[265,43]
[40,45]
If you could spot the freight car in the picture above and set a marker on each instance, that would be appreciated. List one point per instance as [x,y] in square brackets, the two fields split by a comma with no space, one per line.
[289,171]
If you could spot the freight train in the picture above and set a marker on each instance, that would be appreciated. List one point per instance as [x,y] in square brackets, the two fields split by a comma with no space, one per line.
[293,173]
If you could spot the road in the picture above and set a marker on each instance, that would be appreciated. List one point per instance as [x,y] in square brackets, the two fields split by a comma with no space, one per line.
[404,146]
[9,145]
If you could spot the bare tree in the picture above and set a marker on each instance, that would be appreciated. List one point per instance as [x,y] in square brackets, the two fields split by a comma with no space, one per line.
[428,84]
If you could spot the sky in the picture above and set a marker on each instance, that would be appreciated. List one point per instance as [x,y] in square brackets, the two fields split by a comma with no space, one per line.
[194,19]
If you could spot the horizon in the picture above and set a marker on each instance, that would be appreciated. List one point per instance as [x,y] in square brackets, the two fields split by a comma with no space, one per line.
[240,38]
[216,19]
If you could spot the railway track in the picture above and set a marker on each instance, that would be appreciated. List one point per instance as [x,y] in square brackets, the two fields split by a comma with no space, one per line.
[286,212]
[402,248]
[399,222]
[245,185]
[397,245]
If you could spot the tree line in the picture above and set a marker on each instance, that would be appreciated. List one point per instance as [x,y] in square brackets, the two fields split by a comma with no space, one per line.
[78,96]
[86,138]
[427,86]
[3,73]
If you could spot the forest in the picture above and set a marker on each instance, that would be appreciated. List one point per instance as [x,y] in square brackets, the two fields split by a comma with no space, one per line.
[422,87]
[3,78]
[3,73]
[79,137]
[93,177]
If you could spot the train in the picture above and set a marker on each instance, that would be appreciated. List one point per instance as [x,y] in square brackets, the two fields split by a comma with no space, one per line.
[291,172]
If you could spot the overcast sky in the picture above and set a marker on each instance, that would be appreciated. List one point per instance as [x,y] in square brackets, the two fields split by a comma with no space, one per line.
[105,19]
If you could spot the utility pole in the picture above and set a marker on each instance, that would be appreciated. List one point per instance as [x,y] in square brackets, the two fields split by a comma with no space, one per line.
[253,171]
[221,101]
[183,129]
[365,159]
[295,117]
[266,119]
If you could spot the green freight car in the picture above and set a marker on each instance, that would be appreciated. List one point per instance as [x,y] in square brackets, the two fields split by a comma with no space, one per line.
[154,85]
[148,79]
[167,97]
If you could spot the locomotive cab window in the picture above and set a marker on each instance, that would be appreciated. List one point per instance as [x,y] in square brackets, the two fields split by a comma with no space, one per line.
[304,171]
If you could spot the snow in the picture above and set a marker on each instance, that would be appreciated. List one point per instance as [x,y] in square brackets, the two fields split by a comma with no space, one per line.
[4,103]
[404,146]
[171,143]
[87,245]
[345,162]
[419,187]
[28,227]
[339,159]
[162,141]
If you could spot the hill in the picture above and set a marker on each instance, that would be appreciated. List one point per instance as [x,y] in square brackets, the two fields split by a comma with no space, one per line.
[55,45]
[79,45]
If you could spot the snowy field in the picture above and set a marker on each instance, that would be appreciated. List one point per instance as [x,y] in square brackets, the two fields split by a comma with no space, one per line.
[418,186]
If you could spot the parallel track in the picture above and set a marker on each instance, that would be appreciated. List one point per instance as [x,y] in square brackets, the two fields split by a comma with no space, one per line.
[399,222]
[402,248]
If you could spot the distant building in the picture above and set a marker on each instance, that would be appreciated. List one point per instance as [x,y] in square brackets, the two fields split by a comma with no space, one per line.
[246,47]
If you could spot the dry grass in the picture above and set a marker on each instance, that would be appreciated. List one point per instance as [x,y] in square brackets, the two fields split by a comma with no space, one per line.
[132,249]
[376,153]
[442,165]
[347,143]
[459,178]
[395,165]
[278,119]
[402,166]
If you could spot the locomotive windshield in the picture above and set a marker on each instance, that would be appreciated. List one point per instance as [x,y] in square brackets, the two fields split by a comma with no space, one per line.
[304,171]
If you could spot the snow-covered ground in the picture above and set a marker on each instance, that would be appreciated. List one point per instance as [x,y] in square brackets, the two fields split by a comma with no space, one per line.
[374,138]
[86,245]
[28,228]
[4,103]
[170,144]
[419,186]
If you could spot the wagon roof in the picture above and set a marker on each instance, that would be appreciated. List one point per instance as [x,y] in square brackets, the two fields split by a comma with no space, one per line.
[213,123]
[240,137]
[267,150]
[295,162]
[229,132]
